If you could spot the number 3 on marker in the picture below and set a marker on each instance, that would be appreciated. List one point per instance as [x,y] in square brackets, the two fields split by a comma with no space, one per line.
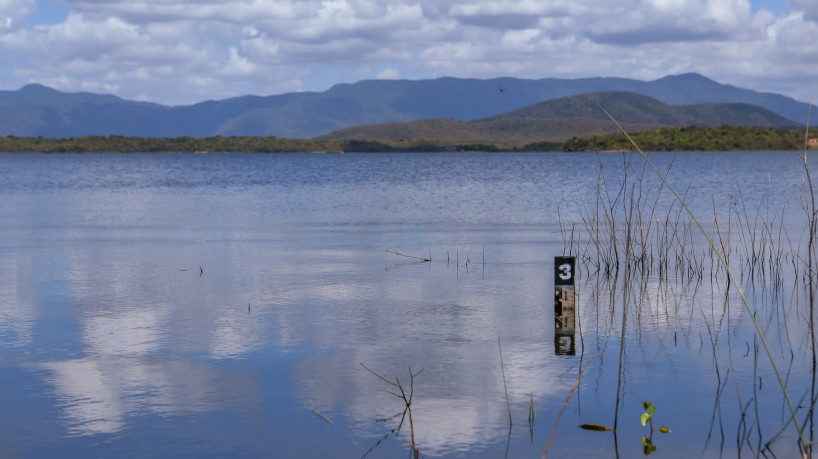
[566,271]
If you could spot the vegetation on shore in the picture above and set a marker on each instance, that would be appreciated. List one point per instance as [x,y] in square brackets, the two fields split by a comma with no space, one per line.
[120,144]
[691,138]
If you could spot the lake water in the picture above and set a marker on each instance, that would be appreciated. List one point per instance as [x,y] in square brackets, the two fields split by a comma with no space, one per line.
[200,306]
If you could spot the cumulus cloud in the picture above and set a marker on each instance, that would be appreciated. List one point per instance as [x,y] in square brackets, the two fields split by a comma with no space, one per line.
[675,21]
[388,74]
[175,51]
[509,14]
[808,7]
[13,11]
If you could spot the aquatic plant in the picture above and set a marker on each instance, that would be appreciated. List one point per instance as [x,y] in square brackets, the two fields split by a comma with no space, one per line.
[647,417]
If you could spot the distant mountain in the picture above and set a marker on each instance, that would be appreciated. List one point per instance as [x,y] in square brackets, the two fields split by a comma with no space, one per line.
[36,110]
[558,120]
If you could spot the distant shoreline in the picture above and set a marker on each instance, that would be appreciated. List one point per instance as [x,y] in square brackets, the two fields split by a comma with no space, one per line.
[691,138]
[420,152]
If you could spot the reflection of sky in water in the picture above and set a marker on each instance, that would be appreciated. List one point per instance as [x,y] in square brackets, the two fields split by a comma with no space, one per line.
[16,316]
[98,394]
[106,311]
[93,400]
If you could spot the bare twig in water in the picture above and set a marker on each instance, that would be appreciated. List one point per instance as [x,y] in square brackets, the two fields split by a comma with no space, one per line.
[407,400]
[422,259]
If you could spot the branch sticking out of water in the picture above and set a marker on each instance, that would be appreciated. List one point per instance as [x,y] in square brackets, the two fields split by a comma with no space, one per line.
[422,259]
[407,400]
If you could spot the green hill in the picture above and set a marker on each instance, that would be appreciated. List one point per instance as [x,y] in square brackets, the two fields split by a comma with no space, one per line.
[561,119]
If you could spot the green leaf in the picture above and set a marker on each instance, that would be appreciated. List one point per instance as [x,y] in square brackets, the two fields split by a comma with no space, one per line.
[645,418]
[597,427]
[645,405]
[664,429]
[652,409]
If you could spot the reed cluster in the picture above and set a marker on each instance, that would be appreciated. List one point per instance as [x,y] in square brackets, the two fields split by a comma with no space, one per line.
[640,231]
[636,227]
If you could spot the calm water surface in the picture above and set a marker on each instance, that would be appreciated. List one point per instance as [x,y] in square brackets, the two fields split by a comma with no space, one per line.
[222,306]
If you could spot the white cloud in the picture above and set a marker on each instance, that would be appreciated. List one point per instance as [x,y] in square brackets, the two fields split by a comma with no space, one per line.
[12,12]
[388,74]
[176,51]
[674,21]
[509,14]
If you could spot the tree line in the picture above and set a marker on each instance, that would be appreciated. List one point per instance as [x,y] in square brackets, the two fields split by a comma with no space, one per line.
[696,138]
[691,138]
[121,144]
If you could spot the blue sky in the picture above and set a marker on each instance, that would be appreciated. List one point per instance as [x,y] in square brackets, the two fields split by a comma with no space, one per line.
[49,12]
[779,7]
[185,51]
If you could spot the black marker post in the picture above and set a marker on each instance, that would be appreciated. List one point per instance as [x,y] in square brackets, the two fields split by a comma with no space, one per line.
[564,306]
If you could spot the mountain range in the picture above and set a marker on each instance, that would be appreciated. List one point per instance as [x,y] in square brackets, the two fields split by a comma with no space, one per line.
[36,110]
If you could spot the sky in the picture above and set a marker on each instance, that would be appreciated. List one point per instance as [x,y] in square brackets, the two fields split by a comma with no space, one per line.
[178,52]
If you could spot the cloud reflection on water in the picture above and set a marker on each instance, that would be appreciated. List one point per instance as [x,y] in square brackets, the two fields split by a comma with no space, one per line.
[17,317]
[99,394]
[134,350]
[126,329]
